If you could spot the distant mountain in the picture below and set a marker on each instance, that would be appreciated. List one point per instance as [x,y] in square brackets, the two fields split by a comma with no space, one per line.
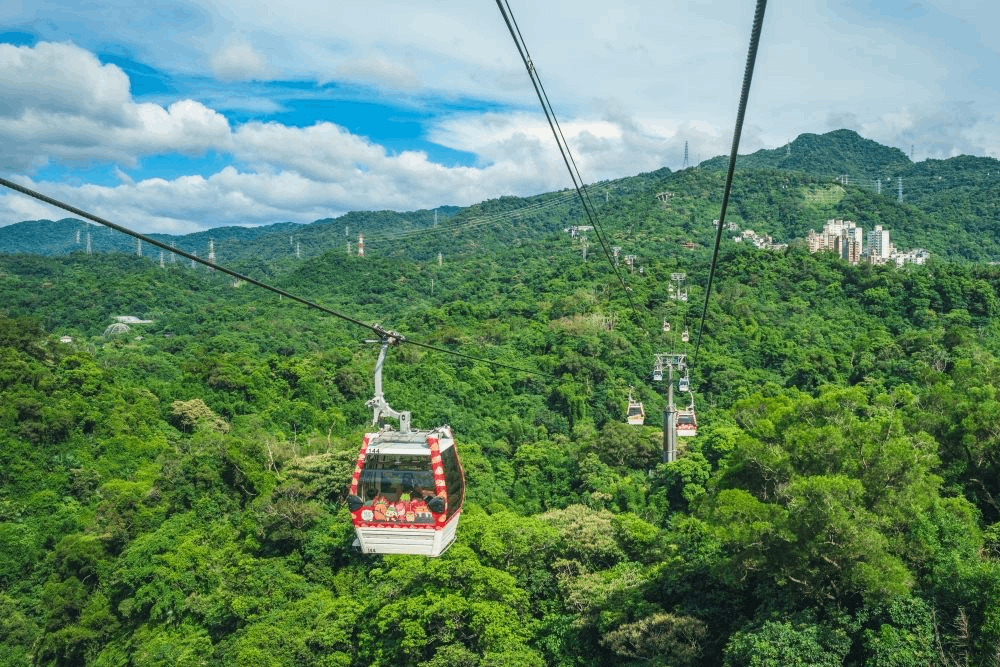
[949,207]
[48,237]
[831,154]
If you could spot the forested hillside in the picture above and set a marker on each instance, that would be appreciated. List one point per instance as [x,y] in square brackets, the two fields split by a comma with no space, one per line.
[175,495]
[950,208]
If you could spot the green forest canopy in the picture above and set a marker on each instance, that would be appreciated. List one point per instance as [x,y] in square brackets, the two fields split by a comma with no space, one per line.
[175,495]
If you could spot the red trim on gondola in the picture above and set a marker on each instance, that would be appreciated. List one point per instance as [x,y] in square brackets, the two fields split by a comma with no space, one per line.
[357,467]
[437,468]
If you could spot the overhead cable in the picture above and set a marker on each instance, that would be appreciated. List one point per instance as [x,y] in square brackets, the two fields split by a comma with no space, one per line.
[567,155]
[758,20]
[375,328]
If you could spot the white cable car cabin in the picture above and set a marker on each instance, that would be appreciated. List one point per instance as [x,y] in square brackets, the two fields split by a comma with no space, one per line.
[636,415]
[685,336]
[408,486]
[666,326]
[684,384]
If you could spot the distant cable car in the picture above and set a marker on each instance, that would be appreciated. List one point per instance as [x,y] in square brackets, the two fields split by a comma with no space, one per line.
[657,374]
[685,336]
[687,422]
[684,384]
[407,490]
[666,326]
[636,415]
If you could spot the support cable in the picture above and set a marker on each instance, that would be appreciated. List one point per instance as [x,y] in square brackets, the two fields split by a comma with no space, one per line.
[378,330]
[567,155]
[758,20]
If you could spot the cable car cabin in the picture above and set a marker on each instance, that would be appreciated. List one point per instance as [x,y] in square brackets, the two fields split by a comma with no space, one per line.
[407,491]
[685,336]
[635,416]
[687,424]
[666,326]
[684,384]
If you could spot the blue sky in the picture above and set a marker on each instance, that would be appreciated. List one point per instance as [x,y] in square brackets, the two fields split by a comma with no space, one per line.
[190,114]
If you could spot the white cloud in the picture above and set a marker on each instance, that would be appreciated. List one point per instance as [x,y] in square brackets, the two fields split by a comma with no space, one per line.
[238,60]
[379,70]
[61,104]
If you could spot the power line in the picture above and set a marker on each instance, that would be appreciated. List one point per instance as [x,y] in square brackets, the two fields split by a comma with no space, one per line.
[758,20]
[567,155]
[378,330]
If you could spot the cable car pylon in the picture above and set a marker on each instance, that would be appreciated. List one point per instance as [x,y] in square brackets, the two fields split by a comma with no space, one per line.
[671,361]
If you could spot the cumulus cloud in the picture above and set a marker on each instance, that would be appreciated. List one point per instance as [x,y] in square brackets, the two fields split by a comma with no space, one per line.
[65,105]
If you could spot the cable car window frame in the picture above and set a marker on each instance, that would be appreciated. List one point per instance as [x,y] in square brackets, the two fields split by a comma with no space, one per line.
[453,479]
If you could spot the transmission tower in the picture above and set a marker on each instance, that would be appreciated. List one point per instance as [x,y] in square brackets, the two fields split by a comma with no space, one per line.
[211,253]
[685,155]
[361,245]
[161,259]
[138,247]
[173,257]
[88,242]
[78,236]
[899,188]
[298,250]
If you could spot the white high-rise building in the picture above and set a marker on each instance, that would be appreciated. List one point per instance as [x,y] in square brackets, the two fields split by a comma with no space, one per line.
[879,246]
[843,237]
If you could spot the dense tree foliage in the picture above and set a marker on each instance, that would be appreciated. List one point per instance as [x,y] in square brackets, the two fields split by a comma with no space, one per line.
[175,495]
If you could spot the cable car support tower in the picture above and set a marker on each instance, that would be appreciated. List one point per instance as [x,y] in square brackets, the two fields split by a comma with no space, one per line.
[669,362]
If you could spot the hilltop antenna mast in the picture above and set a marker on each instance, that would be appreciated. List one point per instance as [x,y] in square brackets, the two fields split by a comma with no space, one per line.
[361,245]
[435,218]
[78,236]
[161,259]
[138,247]
[899,187]
[298,250]
[173,257]
[88,241]
[211,253]
[686,164]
